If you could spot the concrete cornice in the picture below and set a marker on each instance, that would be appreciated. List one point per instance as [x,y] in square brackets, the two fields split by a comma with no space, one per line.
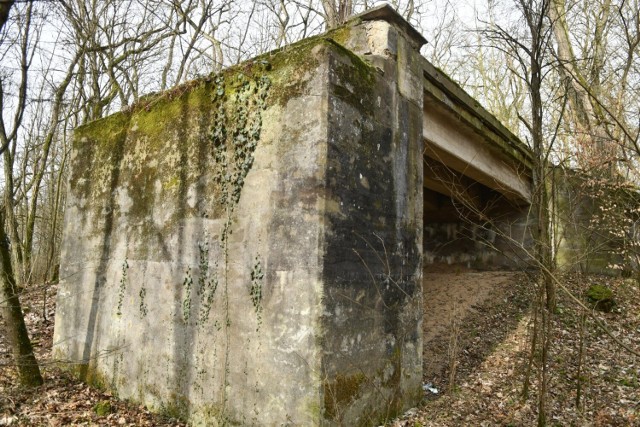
[387,13]
[463,100]
[437,81]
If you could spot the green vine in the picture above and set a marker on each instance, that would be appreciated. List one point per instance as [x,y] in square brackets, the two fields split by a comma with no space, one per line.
[235,134]
[123,286]
[186,302]
[203,264]
[207,284]
[143,304]
[236,131]
[256,289]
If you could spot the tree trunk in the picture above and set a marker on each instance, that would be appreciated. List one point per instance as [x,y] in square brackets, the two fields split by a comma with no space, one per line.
[588,115]
[336,13]
[13,319]
[331,18]
[540,196]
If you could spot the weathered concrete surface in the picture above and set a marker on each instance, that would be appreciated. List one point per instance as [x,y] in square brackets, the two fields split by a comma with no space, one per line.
[247,248]
[466,151]
[372,263]
[189,284]
[597,224]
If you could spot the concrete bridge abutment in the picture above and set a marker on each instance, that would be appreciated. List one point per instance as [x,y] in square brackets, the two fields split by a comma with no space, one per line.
[247,248]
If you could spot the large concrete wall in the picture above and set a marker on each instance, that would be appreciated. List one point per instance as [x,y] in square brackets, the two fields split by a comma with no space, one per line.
[190,274]
[246,248]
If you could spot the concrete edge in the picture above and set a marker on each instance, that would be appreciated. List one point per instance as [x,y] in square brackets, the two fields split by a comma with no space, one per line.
[387,13]
[472,106]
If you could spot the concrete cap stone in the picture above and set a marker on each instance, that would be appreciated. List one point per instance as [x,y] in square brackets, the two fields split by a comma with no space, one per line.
[385,12]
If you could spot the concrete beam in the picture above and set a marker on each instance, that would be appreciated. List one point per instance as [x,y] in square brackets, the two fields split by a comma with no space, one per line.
[452,143]
[440,178]
[445,92]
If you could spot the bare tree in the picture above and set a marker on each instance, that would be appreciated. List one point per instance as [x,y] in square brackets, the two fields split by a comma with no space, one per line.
[587,116]
[597,47]
[12,315]
[13,319]
[39,100]
[529,46]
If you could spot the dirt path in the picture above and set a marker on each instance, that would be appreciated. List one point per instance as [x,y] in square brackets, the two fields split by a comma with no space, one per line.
[458,307]
[494,341]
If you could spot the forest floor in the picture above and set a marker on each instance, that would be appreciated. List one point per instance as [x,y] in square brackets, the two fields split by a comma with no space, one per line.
[480,320]
[483,321]
[62,400]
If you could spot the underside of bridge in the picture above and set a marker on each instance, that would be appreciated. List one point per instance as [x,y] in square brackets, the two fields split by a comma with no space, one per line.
[477,181]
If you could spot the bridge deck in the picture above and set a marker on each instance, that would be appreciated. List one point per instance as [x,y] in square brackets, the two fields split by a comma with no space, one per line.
[462,135]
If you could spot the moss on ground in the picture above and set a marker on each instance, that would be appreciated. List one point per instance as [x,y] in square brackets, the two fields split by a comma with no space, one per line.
[601,297]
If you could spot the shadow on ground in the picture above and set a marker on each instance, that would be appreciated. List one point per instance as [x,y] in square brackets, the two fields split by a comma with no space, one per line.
[467,313]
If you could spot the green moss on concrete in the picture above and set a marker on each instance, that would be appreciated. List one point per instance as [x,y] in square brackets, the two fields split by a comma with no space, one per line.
[362,73]
[159,120]
[314,409]
[176,407]
[339,393]
[208,415]
[92,376]
[104,132]
[166,132]
[357,78]
[97,143]
[396,362]
[342,35]
[164,139]
[291,69]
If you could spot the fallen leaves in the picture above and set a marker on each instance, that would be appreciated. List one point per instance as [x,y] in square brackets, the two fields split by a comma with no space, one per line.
[491,362]
[61,400]
[489,389]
